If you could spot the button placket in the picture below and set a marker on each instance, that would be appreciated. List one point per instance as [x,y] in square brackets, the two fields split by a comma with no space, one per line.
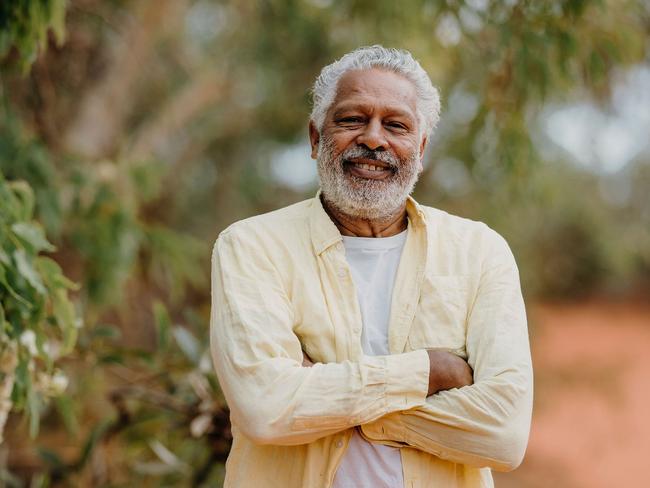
[349,302]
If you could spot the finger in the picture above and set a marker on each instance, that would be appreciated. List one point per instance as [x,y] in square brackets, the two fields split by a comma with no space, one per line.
[306,360]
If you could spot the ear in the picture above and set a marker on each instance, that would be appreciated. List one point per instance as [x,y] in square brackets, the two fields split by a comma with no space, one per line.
[423,144]
[314,139]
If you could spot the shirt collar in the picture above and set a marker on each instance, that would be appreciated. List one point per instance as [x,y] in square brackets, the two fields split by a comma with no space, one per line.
[325,234]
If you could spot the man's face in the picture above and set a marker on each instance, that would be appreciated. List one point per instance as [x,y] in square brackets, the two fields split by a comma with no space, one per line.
[369,150]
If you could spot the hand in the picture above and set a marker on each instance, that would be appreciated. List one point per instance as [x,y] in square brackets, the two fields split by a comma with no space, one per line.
[306,360]
[447,371]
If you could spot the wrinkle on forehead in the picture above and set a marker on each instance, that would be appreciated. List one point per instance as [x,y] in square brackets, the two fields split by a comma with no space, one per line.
[376,88]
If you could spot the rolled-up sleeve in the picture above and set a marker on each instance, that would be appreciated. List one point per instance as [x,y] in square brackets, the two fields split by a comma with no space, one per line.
[485,424]
[258,358]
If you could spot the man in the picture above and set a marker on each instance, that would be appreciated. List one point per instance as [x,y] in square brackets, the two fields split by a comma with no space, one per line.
[361,339]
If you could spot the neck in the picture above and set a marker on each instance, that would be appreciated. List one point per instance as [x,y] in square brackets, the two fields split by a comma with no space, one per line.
[362,227]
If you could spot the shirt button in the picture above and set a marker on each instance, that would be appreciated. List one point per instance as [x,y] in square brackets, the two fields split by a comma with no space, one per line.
[356,330]
[339,444]
[342,273]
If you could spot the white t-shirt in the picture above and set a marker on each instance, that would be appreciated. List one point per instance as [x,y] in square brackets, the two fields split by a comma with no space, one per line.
[373,262]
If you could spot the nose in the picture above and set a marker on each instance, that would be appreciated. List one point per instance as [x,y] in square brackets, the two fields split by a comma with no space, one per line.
[373,137]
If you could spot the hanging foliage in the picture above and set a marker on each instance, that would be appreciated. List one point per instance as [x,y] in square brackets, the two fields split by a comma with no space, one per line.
[24,24]
[38,322]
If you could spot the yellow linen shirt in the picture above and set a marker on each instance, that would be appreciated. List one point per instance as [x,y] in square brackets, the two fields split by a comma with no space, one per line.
[281,285]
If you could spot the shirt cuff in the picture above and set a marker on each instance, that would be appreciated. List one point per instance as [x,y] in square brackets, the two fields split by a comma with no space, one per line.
[407,380]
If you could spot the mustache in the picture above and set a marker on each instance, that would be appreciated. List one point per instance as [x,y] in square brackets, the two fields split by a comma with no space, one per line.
[365,153]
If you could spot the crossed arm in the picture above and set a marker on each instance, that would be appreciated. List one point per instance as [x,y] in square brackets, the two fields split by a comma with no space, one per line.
[422,399]
[446,370]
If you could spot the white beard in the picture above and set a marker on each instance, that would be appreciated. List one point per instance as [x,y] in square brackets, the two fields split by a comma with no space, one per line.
[360,197]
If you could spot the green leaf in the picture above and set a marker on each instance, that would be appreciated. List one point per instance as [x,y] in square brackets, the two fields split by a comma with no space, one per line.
[41,339]
[66,408]
[28,272]
[144,356]
[64,313]
[57,20]
[163,324]
[50,457]
[40,480]
[26,195]
[22,384]
[111,358]
[32,235]
[34,411]
[52,274]
[4,258]
[93,438]
[12,292]
[106,331]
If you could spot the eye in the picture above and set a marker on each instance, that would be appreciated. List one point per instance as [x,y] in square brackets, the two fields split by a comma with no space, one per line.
[353,119]
[393,125]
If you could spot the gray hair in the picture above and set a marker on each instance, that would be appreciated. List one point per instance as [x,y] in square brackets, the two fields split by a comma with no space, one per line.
[396,60]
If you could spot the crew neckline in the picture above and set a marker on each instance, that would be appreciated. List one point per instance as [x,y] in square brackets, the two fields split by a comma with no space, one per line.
[375,242]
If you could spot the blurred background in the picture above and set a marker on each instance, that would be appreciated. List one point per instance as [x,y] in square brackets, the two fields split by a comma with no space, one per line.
[133,132]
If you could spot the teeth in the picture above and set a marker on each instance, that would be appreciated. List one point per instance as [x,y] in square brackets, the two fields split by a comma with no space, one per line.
[369,167]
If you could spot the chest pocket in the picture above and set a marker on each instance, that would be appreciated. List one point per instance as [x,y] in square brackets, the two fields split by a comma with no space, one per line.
[441,317]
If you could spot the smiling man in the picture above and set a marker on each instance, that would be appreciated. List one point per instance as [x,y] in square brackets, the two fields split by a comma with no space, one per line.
[361,339]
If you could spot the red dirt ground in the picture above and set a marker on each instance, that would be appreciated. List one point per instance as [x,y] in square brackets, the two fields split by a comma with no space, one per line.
[591,425]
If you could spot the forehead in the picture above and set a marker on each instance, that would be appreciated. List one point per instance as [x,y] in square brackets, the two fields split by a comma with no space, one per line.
[375,89]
